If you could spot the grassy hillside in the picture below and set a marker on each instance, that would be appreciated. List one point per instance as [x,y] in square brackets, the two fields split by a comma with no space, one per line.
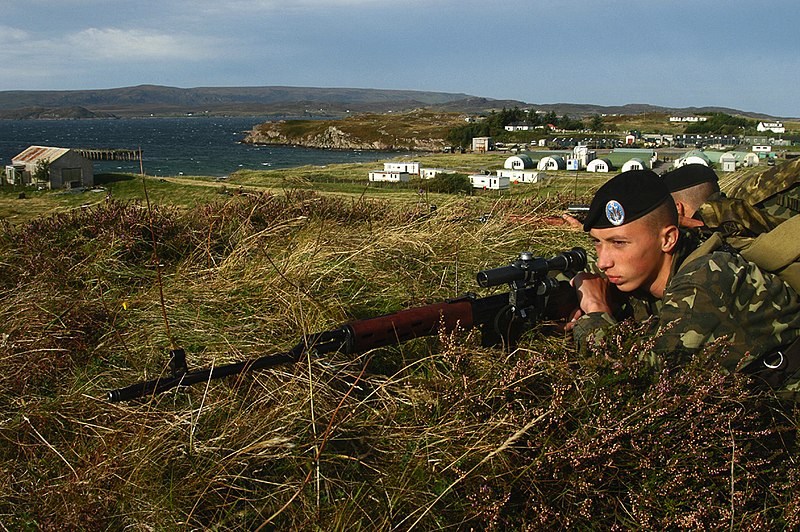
[433,434]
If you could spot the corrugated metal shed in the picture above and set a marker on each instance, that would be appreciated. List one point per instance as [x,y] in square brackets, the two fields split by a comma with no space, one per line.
[39,153]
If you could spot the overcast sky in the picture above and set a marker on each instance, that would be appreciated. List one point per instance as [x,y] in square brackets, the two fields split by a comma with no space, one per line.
[731,53]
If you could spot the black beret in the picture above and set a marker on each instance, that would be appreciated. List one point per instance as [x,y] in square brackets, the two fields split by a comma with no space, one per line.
[626,197]
[689,175]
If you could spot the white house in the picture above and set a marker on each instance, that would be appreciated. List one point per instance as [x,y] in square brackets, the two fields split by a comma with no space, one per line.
[490,182]
[688,118]
[518,127]
[554,162]
[66,168]
[389,177]
[599,165]
[430,173]
[633,164]
[522,176]
[407,167]
[775,127]
[762,149]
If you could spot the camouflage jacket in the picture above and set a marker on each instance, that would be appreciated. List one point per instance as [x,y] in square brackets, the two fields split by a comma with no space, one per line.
[735,217]
[710,297]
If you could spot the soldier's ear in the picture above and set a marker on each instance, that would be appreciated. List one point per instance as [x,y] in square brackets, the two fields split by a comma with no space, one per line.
[669,238]
[681,208]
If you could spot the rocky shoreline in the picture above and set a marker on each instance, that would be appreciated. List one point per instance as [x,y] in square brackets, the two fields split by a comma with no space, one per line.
[375,132]
[333,138]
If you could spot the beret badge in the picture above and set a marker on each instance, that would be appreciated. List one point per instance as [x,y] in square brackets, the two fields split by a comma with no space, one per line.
[615,213]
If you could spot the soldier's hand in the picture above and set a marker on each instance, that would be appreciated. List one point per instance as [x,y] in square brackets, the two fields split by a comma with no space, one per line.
[684,221]
[594,294]
[572,222]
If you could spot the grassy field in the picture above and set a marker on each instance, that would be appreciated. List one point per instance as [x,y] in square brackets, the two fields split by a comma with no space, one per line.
[435,433]
[347,180]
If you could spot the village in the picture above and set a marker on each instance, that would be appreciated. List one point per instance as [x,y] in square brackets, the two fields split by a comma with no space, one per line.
[530,166]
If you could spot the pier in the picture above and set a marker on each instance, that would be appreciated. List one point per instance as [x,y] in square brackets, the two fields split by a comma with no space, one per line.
[109,154]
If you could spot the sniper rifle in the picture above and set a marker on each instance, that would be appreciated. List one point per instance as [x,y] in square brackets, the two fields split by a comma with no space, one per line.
[501,318]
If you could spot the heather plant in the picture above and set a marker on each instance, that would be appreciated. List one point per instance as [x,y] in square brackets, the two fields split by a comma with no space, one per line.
[430,434]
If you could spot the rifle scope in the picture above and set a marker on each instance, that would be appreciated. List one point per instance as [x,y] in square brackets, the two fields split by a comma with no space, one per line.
[529,268]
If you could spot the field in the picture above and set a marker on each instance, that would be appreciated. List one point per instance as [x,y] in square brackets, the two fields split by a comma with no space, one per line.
[435,433]
[348,180]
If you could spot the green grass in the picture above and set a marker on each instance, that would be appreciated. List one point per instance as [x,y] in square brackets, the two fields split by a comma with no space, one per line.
[348,180]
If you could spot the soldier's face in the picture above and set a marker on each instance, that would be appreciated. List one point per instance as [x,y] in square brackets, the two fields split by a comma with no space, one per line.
[631,255]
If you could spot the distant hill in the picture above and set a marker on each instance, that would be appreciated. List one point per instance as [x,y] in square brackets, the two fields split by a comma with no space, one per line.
[146,100]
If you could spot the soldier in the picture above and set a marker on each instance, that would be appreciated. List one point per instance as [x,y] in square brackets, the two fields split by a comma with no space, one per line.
[691,185]
[695,189]
[696,298]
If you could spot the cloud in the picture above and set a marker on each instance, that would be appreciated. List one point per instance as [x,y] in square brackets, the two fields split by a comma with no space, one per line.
[138,45]
[9,35]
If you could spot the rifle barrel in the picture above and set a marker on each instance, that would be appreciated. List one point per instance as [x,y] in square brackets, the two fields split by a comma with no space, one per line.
[162,384]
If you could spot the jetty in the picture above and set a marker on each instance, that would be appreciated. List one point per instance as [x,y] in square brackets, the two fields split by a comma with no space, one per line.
[109,154]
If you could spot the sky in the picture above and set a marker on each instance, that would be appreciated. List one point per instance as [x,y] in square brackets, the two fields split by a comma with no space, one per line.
[675,53]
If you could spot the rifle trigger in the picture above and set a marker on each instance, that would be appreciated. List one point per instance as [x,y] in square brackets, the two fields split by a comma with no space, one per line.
[177,362]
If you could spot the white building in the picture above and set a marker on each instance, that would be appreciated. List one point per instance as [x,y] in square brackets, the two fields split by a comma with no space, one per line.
[522,176]
[518,127]
[482,144]
[430,173]
[599,165]
[555,162]
[775,127]
[633,164]
[688,118]
[389,177]
[737,159]
[490,182]
[519,162]
[583,154]
[762,149]
[408,167]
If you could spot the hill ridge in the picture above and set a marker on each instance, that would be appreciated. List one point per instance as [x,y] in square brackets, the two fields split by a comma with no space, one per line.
[149,99]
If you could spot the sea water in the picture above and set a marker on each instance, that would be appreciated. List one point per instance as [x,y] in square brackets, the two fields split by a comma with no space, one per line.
[209,146]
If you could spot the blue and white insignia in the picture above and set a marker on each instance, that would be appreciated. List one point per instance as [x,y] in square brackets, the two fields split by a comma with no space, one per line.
[615,213]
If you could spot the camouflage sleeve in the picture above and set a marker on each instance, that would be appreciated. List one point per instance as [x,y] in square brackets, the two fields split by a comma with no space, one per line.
[685,323]
[689,317]
[724,296]
[591,328]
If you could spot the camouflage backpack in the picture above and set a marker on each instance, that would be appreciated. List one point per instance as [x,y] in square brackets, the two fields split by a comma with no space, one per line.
[776,251]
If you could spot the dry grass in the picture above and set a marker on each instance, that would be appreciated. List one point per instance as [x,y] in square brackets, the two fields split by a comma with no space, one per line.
[436,433]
